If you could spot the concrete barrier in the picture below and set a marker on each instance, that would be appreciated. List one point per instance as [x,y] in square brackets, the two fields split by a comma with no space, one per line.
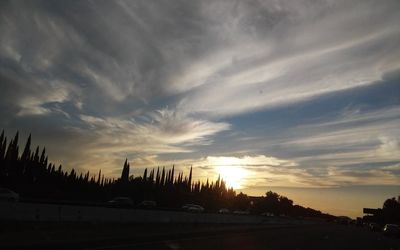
[20,211]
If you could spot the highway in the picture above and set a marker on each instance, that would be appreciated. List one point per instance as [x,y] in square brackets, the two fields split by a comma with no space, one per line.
[286,237]
[271,237]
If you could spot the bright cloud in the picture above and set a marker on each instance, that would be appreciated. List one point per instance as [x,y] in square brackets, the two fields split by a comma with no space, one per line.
[286,93]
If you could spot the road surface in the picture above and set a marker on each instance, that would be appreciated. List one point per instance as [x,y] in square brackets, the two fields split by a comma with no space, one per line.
[298,237]
[290,237]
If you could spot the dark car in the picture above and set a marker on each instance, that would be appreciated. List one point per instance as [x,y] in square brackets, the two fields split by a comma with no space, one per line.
[121,202]
[8,195]
[241,212]
[147,204]
[391,230]
[224,211]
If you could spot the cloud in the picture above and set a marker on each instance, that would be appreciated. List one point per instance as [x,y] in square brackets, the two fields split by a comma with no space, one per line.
[308,60]
[320,178]
[164,132]
[353,138]
[210,167]
[259,55]
[389,146]
[262,170]
[245,161]
[174,82]
[165,128]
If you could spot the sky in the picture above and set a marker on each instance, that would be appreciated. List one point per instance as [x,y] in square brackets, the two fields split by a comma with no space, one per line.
[299,97]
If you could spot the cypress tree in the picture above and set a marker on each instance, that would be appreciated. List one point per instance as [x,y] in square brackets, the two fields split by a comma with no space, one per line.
[2,136]
[36,157]
[87,176]
[27,150]
[72,174]
[217,182]
[3,147]
[99,178]
[43,156]
[190,178]
[151,176]
[13,148]
[102,181]
[163,177]
[168,178]
[145,175]
[46,160]
[172,174]
[125,172]
[158,176]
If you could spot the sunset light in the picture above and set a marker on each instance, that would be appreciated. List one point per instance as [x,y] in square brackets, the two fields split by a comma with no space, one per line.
[232,175]
[157,99]
[231,171]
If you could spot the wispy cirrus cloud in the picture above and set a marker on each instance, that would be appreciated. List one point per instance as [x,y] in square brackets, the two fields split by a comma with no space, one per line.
[199,81]
[309,60]
[354,137]
[257,55]
[159,132]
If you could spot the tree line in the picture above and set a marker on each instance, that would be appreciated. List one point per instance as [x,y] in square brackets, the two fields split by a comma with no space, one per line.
[389,213]
[30,173]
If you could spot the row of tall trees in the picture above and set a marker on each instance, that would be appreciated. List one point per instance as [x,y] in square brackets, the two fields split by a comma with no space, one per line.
[34,177]
[390,212]
[29,173]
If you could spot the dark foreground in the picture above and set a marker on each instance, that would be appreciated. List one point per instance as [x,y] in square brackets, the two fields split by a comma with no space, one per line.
[269,237]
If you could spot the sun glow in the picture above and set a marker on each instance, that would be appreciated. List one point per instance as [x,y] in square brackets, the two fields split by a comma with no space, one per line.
[231,172]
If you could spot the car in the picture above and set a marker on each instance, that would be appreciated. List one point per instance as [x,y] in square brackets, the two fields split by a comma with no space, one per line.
[267,214]
[240,212]
[391,230]
[223,211]
[187,206]
[193,208]
[147,204]
[8,195]
[121,202]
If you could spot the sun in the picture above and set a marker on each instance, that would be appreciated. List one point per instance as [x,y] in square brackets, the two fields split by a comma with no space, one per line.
[231,171]
[232,175]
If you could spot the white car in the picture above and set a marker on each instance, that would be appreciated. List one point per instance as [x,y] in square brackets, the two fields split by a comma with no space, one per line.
[8,195]
[223,211]
[193,208]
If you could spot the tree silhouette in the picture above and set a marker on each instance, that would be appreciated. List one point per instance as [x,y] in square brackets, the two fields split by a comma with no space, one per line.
[391,210]
[34,178]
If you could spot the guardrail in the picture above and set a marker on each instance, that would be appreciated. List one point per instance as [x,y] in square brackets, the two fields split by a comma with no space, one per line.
[23,211]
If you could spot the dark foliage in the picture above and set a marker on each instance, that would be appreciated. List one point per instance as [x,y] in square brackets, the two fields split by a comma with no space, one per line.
[33,177]
[389,214]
